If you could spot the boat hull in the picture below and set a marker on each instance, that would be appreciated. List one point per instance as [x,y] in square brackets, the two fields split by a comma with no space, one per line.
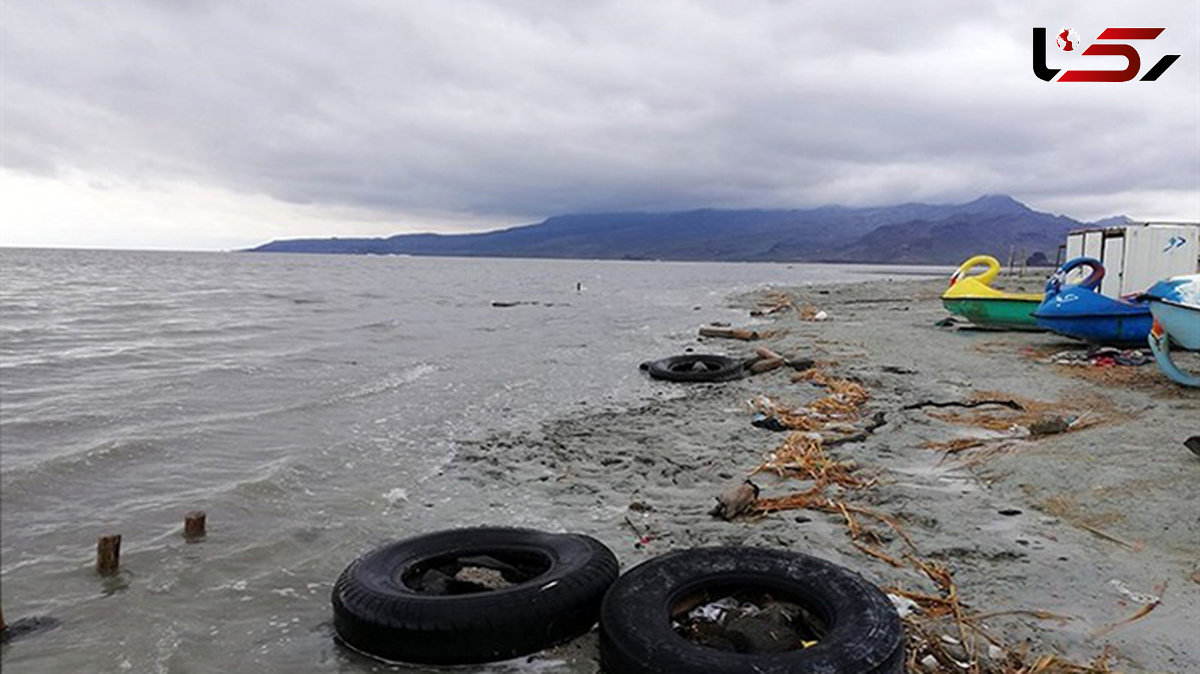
[1160,346]
[1180,322]
[1078,310]
[1117,330]
[974,298]
[999,313]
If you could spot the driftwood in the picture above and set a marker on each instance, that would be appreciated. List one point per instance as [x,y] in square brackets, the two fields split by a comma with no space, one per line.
[729,333]
[801,364]
[765,360]
[766,365]
[766,353]
[1010,404]
[735,501]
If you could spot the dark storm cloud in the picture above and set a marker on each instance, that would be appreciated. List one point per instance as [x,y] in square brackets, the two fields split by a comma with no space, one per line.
[541,107]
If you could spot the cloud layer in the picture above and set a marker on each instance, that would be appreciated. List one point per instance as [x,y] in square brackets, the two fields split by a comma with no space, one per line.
[467,114]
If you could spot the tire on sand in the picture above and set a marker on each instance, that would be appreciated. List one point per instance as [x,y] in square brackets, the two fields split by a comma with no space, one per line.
[383,605]
[862,629]
[696,367]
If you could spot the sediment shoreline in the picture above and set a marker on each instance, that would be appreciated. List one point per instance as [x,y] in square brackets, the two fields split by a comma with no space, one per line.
[1062,539]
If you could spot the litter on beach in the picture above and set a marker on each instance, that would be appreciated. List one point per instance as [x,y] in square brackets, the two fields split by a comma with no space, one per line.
[1101,356]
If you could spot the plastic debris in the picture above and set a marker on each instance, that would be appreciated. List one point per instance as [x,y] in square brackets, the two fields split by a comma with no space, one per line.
[811,313]
[1135,597]
[904,605]
[761,420]
[643,535]
[750,624]
[1148,603]
[714,612]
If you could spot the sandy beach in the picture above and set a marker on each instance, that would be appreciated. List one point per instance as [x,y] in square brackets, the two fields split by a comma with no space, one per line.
[342,284]
[1082,545]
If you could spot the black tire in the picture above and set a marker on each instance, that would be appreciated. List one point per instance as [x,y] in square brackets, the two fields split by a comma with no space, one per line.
[555,596]
[863,636]
[683,368]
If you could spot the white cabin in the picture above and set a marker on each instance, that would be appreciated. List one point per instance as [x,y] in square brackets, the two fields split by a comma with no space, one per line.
[1137,255]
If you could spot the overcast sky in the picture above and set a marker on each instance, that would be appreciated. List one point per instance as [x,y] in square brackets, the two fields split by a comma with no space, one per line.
[205,124]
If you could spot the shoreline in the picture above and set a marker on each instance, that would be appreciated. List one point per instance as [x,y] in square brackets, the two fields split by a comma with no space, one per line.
[1073,525]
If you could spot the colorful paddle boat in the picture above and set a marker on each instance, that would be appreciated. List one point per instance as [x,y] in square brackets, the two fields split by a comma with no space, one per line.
[974,298]
[1078,310]
[1175,305]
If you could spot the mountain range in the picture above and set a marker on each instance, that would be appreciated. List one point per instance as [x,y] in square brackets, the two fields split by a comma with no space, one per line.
[904,234]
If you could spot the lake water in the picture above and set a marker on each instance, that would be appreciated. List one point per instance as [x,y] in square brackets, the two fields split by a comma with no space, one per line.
[304,402]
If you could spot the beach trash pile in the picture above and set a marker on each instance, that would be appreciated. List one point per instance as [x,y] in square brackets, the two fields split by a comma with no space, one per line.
[747,609]
[1101,356]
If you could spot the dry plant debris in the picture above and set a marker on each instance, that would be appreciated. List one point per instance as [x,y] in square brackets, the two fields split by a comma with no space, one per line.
[802,455]
[1013,418]
[955,446]
[1138,615]
[1081,413]
[929,653]
[1065,507]
[774,302]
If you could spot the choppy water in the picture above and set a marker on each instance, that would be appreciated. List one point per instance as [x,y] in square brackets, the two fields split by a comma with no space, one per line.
[300,401]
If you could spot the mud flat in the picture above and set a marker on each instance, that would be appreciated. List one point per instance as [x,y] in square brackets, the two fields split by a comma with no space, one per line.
[1082,543]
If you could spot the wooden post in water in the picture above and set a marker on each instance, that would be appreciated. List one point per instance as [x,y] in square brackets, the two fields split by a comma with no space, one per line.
[108,554]
[1024,262]
[193,524]
[3,625]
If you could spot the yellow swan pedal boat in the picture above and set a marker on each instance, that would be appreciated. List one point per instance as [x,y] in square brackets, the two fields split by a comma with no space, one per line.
[974,298]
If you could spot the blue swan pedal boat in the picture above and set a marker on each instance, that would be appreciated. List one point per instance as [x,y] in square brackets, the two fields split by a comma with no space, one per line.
[1078,310]
[1175,305]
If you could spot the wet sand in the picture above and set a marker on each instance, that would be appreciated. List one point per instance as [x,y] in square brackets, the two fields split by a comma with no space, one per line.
[1084,524]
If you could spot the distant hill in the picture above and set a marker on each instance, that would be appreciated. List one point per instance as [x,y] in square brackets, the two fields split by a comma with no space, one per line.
[904,234]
